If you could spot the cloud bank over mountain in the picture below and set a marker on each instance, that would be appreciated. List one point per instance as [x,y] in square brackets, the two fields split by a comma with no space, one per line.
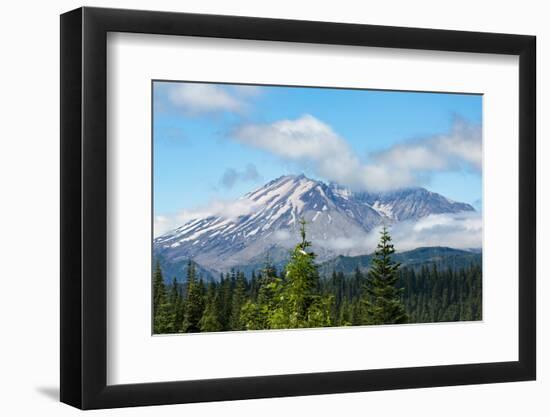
[457,230]
[313,144]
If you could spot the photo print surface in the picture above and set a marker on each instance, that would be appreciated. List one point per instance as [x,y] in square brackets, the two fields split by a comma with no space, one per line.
[281,207]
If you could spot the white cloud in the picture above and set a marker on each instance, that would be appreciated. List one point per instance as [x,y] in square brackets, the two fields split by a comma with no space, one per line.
[315,144]
[198,98]
[282,235]
[456,230]
[306,140]
[222,208]
[163,224]
[460,147]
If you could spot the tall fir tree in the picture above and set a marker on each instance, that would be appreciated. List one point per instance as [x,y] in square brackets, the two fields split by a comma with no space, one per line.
[162,311]
[302,276]
[382,301]
[209,321]
[225,302]
[255,313]
[176,304]
[159,291]
[194,303]
[239,299]
[301,305]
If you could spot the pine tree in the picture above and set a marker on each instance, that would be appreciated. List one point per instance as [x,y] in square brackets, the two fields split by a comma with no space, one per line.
[254,286]
[255,314]
[358,283]
[163,322]
[382,300]
[176,304]
[239,299]
[158,288]
[193,301]
[162,312]
[344,315]
[225,302]
[301,305]
[210,321]
[302,276]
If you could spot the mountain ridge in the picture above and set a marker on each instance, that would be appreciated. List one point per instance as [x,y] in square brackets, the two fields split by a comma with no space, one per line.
[336,216]
[443,257]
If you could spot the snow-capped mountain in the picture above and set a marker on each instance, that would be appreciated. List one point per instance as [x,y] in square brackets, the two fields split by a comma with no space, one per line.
[270,224]
[406,204]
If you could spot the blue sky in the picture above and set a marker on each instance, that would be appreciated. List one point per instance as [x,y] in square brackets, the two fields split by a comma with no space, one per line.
[216,142]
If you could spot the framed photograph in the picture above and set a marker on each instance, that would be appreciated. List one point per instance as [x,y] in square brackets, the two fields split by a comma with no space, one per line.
[257,208]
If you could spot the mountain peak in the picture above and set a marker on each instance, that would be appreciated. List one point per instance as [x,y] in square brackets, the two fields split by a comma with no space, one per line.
[289,177]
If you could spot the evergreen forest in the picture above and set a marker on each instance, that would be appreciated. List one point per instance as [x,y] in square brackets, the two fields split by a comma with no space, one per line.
[296,296]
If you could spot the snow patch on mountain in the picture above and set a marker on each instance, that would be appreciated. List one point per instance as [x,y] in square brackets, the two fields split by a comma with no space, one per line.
[384,209]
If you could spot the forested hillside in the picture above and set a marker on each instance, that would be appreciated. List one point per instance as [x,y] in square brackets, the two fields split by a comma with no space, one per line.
[298,296]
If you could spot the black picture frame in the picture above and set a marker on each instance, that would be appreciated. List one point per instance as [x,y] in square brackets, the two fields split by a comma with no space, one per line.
[84,207]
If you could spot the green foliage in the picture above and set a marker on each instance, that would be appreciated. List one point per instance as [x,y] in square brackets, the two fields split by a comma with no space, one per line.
[382,299]
[432,295]
[162,308]
[299,302]
[209,321]
[302,279]
[225,301]
[159,292]
[175,301]
[257,312]
[194,301]
[239,299]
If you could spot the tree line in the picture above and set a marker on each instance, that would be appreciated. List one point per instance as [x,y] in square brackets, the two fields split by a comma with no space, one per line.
[297,297]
